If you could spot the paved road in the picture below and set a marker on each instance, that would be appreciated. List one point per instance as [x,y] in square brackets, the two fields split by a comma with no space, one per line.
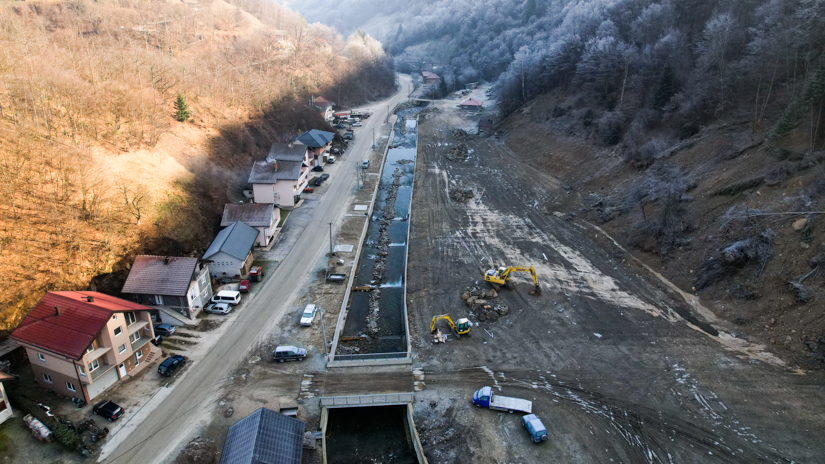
[187,405]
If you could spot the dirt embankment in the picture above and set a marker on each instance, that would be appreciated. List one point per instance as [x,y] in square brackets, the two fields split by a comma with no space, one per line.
[725,214]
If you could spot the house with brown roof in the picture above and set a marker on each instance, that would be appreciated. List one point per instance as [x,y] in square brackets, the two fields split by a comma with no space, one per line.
[5,407]
[263,217]
[430,78]
[173,284]
[81,343]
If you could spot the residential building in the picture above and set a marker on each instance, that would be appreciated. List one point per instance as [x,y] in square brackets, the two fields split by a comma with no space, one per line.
[318,143]
[265,436]
[263,217]
[5,407]
[430,78]
[471,104]
[180,285]
[230,254]
[81,343]
[325,107]
[282,176]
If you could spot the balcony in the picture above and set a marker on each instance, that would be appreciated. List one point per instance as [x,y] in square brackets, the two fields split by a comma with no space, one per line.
[100,371]
[138,344]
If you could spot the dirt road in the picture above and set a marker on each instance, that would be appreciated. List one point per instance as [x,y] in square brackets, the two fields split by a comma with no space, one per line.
[617,364]
[178,412]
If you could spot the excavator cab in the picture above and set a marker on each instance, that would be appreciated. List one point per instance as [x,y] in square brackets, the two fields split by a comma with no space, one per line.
[500,277]
[462,328]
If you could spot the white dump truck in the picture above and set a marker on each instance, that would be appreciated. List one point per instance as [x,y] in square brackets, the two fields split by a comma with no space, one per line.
[485,398]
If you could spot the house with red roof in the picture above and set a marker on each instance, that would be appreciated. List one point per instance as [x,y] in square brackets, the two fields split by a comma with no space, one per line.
[470,104]
[430,78]
[325,107]
[81,343]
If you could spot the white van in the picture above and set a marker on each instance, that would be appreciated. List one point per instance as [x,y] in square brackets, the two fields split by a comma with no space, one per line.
[227,296]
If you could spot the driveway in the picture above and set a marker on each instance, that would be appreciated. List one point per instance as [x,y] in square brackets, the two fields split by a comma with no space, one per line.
[175,415]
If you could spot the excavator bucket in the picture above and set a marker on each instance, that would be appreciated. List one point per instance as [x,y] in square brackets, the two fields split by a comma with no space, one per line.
[536,291]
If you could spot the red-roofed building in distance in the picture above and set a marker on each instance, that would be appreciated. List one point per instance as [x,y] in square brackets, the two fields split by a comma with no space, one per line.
[430,78]
[81,343]
[471,104]
[325,107]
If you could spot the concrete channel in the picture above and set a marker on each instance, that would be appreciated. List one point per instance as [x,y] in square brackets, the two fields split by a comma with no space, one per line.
[372,326]
[364,428]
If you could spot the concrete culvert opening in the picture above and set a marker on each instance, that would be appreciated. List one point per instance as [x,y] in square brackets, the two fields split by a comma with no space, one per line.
[370,434]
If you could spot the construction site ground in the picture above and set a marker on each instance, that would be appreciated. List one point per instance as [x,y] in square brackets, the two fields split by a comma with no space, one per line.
[620,365]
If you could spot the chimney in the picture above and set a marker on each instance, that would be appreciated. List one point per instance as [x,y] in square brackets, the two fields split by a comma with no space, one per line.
[166,260]
[90,299]
[56,310]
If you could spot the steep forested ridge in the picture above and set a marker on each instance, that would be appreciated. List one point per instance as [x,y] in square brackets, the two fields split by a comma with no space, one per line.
[98,163]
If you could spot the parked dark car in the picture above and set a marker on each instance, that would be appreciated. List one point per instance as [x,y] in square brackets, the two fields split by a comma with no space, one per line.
[340,126]
[164,329]
[289,353]
[170,365]
[108,409]
[157,340]
[318,169]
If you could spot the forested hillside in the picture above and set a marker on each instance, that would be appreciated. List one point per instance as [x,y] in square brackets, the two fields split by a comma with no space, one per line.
[693,131]
[98,164]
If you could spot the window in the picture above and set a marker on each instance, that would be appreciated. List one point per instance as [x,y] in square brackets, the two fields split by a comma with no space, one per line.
[134,337]
[47,378]
[81,371]
[94,365]
[121,348]
[114,317]
[118,330]
[130,318]
[41,357]
[70,386]
[90,348]
[139,355]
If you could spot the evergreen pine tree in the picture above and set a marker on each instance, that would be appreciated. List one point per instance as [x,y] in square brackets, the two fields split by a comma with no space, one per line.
[442,87]
[664,88]
[181,109]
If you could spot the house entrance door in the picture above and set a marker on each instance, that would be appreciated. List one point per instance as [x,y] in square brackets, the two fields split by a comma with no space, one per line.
[158,300]
[121,369]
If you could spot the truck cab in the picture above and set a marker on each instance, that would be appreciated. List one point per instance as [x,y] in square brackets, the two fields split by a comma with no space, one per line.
[482,397]
[537,431]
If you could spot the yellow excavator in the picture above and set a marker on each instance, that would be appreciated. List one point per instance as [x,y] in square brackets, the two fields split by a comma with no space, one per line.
[462,328]
[501,276]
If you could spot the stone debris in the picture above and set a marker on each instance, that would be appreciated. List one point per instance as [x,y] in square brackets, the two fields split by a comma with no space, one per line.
[387,216]
[461,134]
[462,194]
[439,337]
[458,153]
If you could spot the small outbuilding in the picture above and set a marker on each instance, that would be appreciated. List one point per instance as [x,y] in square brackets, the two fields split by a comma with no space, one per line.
[264,437]
[5,408]
[230,254]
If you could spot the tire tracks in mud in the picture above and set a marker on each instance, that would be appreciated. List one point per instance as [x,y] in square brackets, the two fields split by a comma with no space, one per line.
[645,432]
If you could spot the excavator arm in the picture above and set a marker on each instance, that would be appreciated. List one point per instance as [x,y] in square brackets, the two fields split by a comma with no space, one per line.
[504,276]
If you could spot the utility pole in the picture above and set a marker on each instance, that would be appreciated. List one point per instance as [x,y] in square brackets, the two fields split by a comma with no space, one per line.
[330,240]
[373,137]
[323,330]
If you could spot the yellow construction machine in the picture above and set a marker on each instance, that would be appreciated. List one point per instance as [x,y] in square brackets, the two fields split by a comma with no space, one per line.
[501,276]
[462,328]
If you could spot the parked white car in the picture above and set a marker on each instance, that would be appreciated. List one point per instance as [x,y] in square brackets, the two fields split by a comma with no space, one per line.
[219,308]
[356,124]
[331,159]
[309,315]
